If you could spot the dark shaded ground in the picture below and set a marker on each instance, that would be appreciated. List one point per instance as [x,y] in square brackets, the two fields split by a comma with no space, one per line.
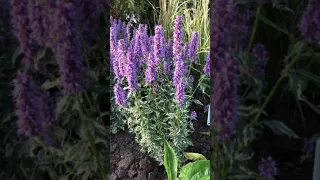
[128,163]
[287,152]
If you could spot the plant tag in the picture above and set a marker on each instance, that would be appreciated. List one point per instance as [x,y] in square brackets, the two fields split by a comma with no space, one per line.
[316,172]
[208,118]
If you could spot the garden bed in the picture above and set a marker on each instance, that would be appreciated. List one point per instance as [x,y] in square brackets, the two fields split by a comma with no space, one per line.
[127,162]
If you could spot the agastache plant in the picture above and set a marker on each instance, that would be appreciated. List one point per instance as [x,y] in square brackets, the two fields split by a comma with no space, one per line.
[150,84]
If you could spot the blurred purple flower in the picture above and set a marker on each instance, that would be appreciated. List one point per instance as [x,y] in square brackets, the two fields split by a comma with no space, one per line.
[21,28]
[69,53]
[310,22]
[308,146]
[261,54]
[267,168]
[33,108]
[121,58]
[194,115]
[157,48]
[206,108]
[36,17]
[206,68]
[179,80]
[186,51]
[191,79]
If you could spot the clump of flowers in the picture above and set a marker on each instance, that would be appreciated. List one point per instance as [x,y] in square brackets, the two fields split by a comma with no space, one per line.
[267,168]
[152,83]
[33,109]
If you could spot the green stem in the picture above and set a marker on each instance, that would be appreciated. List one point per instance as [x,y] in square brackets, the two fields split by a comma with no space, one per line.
[196,88]
[256,23]
[284,74]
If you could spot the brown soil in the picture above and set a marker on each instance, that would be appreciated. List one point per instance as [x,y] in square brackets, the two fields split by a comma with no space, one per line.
[128,163]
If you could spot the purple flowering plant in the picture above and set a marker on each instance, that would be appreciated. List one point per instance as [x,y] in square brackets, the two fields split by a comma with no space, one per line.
[152,85]
[51,104]
[245,49]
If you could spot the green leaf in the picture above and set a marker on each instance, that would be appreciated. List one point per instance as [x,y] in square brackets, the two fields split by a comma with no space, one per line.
[195,170]
[280,128]
[62,105]
[197,102]
[50,84]
[170,161]
[205,133]
[15,56]
[194,156]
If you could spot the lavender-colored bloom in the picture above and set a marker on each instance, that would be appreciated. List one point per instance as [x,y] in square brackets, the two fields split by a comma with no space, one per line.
[158,38]
[308,146]
[177,38]
[167,59]
[138,54]
[21,27]
[267,168]
[36,18]
[180,92]
[131,71]
[179,70]
[179,80]
[194,46]
[191,79]
[310,22]
[150,75]
[32,108]
[186,51]
[120,96]
[206,68]
[71,62]
[225,97]
[242,31]
[143,39]
[261,54]
[121,57]
[226,80]
[194,115]
[49,22]
[206,108]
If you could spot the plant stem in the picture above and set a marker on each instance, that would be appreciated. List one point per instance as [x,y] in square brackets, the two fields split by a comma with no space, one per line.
[253,34]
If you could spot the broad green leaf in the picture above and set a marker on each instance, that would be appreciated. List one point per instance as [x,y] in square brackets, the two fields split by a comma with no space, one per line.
[280,128]
[62,105]
[205,133]
[197,102]
[194,156]
[195,170]
[50,84]
[170,161]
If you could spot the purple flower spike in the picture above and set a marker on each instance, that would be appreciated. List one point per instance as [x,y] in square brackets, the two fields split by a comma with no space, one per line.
[36,14]
[310,22]
[194,47]
[32,107]
[267,168]
[180,93]
[177,38]
[157,48]
[70,59]
[186,51]
[120,96]
[261,54]
[151,69]
[206,68]
[194,115]
[21,27]
[121,57]
[131,71]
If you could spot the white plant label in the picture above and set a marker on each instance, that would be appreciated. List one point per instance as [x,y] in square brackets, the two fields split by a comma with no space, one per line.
[208,118]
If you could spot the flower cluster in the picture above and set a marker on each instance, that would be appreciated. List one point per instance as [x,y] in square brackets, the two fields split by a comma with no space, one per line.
[267,168]
[134,53]
[225,79]
[33,109]
[310,22]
